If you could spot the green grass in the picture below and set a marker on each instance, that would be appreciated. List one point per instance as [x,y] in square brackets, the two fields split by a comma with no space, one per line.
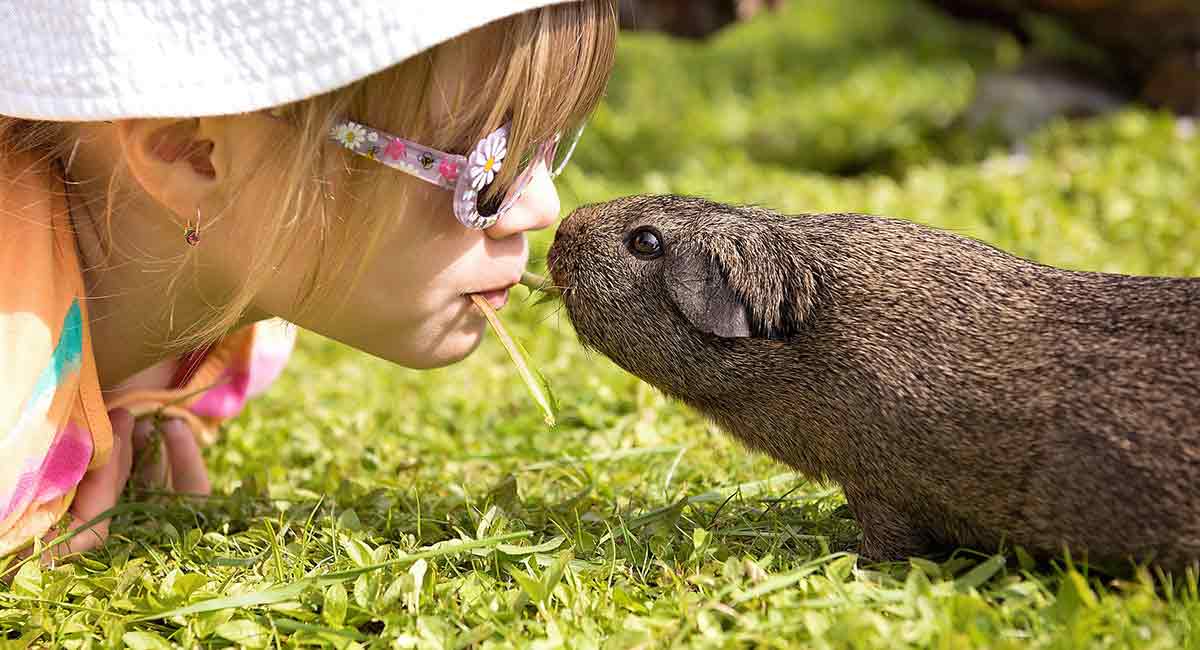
[342,494]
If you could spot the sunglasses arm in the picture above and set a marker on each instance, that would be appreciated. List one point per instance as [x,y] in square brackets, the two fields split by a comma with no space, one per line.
[426,163]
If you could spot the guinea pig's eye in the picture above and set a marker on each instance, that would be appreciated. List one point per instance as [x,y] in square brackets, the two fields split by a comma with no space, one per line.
[645,243]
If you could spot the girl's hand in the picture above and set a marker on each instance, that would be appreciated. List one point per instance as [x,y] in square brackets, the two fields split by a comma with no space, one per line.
[98,491]
[168,459]
[101,489]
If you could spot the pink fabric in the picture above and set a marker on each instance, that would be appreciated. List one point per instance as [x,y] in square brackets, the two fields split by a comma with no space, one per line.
[267,360]
[65,464]
[267,363]
[61,470]
[226,400]
[22,493]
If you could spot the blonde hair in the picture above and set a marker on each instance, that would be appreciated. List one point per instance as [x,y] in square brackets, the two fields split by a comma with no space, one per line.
[545,70]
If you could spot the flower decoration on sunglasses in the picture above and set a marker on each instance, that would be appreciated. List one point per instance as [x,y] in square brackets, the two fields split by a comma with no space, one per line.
[486,160]
[449,170]
[395,149]
[349,134]
[466,176]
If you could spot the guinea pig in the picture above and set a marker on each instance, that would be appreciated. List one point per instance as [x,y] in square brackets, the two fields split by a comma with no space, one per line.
[959,395]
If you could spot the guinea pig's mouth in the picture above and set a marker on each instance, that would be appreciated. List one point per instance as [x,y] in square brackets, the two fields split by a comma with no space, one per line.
[554,264]
[565,254]
[536,283]
[558,284]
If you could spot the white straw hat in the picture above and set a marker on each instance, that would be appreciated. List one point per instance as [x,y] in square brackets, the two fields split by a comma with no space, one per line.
[74,60]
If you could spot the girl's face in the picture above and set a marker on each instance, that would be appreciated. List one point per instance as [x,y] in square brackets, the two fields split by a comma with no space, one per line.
[412,304]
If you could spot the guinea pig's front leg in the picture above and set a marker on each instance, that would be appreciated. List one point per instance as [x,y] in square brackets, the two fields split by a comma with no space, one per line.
[887,533]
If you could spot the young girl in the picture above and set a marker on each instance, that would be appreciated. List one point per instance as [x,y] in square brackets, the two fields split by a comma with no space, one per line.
[175,183]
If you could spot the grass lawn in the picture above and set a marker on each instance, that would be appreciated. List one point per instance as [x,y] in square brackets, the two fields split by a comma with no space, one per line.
[364,505]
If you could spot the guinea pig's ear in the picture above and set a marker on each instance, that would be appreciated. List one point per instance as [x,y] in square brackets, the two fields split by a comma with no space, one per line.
[746,286]
[700,289]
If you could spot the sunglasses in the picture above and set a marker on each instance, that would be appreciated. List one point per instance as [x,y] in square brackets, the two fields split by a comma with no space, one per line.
[466,176]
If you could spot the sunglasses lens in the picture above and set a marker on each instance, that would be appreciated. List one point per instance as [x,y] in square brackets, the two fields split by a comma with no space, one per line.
[564,148]
[492,205]
[488,206]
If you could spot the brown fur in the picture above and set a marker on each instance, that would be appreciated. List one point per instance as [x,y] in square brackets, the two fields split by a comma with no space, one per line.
[958,394]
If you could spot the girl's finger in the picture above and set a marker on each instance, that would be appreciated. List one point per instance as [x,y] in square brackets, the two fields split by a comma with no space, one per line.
[100,489]
[150,469]
[188,471]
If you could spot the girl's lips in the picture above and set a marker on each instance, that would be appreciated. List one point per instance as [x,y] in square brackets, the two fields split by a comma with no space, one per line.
[497,298]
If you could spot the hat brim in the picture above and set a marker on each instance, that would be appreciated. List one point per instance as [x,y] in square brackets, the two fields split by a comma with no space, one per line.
[81,60]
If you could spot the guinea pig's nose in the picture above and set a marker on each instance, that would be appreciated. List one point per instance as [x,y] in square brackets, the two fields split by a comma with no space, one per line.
[569,228]
[566,238]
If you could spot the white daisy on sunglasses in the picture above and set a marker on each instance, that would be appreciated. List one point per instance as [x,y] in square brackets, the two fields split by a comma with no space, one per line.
[485,160]
[350,134]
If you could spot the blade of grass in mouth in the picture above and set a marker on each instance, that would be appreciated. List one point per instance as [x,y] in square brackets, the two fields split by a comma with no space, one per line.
[536,384]
[536,283]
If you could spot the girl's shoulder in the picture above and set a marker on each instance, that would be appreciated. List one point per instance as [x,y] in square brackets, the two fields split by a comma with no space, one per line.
[52,419]
[41,311]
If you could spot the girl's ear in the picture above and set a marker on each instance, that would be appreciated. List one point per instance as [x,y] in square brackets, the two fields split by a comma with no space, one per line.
[179,162]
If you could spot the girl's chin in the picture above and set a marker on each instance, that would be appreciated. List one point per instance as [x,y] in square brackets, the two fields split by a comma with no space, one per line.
[456,343]
[438,340]
[457,350]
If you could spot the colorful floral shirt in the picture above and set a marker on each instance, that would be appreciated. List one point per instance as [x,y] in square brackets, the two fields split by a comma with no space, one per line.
[54,424]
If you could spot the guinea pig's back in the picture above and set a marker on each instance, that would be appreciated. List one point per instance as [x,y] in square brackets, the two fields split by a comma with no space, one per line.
[1049,403]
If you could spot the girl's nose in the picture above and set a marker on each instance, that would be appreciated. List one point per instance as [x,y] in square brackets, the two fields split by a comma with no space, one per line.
[536,209]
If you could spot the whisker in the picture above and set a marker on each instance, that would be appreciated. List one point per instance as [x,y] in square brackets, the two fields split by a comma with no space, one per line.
[558,310]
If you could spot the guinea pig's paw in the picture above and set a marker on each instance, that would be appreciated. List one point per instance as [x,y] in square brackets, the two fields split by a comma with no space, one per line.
[887,535]
[893,544]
